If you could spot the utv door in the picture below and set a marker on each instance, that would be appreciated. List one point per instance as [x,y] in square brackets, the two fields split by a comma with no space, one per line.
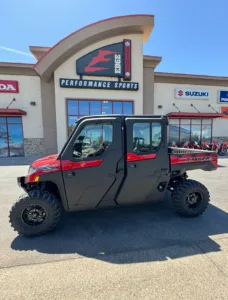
[147,161]
[92,163]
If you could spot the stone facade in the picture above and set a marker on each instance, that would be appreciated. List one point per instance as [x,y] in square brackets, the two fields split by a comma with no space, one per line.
[34,146]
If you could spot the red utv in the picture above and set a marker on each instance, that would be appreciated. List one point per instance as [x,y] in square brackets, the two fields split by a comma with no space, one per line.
[111,161]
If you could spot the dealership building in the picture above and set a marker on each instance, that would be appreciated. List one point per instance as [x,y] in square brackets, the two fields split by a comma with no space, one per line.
[101,69]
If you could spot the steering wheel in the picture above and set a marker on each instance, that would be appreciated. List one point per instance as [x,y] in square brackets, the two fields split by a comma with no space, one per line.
[105,145]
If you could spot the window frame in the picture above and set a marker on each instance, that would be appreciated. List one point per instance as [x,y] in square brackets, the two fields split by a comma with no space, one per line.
[7,123]
[95,100]
[150,135]
[81,126]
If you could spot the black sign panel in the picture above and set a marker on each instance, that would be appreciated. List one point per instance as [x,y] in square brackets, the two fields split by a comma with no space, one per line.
[107,61]
[98,84]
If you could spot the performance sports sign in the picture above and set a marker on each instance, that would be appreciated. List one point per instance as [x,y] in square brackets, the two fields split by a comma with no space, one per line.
[112,60]
[98,84]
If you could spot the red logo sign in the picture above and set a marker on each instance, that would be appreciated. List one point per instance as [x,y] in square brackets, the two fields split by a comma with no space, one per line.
[113,60]
[180,93]
[224,110]
[9,86]
[100,58]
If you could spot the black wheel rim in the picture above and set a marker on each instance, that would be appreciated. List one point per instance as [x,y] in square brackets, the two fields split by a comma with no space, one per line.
[194,200]
[34,215]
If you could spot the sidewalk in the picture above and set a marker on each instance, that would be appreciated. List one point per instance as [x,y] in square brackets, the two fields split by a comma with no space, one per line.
[190,277]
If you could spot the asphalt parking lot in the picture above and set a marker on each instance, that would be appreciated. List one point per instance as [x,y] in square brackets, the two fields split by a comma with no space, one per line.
[134,253]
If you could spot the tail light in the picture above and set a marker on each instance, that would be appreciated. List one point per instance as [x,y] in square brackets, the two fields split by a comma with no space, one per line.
[215,160]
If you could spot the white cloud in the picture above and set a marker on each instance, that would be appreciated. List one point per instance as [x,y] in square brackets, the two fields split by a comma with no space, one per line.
[15,51]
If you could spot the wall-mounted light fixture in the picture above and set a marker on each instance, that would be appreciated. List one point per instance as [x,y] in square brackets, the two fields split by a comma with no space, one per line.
[194,107]
[176,107]
[213,108]
[11,102]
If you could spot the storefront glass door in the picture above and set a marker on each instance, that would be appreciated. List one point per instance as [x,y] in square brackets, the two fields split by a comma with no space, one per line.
[11,137]
[79,108]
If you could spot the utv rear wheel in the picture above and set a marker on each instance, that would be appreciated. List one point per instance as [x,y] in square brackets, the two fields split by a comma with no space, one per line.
[222,152]
[190,198]
[35,213]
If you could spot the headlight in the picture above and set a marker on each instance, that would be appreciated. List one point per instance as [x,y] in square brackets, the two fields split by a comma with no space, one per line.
[44,169]
[48,168]
[31,170]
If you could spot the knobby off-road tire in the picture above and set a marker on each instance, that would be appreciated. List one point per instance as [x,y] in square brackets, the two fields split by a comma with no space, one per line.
[184,192]
[42,204]
[222,153]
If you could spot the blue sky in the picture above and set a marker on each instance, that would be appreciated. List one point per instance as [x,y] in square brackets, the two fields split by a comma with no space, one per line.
[190,35]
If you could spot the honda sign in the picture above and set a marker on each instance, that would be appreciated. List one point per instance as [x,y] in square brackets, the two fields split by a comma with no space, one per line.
[9,86]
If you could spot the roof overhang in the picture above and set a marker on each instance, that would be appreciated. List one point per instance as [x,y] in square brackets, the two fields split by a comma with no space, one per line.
[12,112]
[189,115]
[17,69]
[191,79]
[151,61]
[38,51]
[90,34]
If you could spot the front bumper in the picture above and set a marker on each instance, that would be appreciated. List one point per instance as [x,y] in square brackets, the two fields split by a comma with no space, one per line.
[21,181]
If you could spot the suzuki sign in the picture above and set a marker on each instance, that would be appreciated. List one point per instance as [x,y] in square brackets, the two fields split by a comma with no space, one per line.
[9,86]
[191,94]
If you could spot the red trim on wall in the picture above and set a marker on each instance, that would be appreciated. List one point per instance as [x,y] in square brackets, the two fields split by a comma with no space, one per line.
[127,59]
[182,115]
[12,112]
[134,157]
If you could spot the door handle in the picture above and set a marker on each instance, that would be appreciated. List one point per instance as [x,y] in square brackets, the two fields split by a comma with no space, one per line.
[132,166]
[70,174]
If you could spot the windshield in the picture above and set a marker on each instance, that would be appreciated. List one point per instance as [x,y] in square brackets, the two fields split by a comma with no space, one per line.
[72,131]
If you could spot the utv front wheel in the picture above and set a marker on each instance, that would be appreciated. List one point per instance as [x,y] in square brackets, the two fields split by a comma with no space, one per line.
[35,213]
[190,198]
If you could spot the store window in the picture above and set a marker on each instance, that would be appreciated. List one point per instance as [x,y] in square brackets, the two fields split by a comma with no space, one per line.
[79,108]
[93,140]
[189,130]
[146,137]
[11,137]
